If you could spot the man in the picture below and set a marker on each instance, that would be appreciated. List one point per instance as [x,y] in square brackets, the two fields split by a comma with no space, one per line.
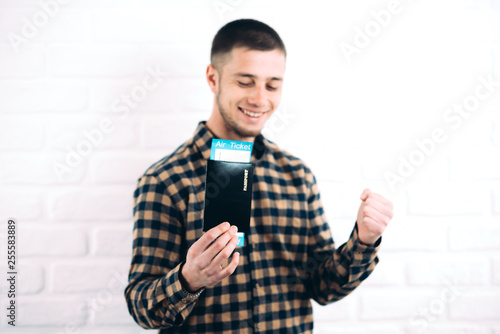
[183,280]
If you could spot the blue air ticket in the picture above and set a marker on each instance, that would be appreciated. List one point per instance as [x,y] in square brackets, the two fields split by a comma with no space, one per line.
[231,150]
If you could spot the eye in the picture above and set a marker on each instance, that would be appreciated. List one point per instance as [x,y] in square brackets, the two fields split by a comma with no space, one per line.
[271,88]
[244,84]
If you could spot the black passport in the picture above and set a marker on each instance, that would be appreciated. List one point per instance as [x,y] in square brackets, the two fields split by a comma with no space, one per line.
[228,194]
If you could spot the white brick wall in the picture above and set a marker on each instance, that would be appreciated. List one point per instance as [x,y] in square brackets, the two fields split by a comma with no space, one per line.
[351,121]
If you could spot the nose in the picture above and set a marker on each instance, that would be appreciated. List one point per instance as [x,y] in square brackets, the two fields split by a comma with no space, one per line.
[257,97]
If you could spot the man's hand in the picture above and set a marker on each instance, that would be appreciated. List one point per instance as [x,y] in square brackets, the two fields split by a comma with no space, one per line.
[374,215]
[204,259]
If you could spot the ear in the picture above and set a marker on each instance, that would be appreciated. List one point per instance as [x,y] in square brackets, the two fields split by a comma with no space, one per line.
[212,78]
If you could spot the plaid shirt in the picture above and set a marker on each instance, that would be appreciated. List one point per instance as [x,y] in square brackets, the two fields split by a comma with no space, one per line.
[289,255]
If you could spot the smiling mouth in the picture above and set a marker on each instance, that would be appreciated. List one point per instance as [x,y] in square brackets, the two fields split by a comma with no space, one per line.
[251,113]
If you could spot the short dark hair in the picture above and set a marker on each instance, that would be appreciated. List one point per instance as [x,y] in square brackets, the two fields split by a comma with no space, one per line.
[253,34]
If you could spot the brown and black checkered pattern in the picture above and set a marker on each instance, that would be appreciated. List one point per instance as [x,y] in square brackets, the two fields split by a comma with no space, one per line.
[289,256]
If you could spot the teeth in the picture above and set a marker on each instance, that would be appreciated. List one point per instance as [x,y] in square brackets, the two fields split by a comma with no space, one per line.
[251,114]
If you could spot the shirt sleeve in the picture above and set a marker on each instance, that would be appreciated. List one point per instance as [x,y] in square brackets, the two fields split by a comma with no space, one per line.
[334,272]
[154,295]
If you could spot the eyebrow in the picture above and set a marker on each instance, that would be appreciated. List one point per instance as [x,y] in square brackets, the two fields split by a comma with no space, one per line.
[246,75]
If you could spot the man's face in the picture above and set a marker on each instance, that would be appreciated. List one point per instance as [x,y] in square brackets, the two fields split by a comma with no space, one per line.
[248,90]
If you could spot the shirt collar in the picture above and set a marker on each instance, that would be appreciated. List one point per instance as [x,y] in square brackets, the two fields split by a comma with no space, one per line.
[203,140]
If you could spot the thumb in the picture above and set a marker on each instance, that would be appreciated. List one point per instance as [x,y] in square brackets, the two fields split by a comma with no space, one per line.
[365,194]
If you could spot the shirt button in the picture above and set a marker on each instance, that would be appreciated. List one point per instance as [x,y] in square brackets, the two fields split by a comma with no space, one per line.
[258,326]
[184,300]
[257,285]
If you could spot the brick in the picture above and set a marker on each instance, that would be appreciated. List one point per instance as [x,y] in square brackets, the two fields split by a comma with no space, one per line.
[67,96]
[495,16]
[408,303]
[104,94]
[433,328]
[496,200]
[496,132]
[114,329]
[11,23]
[51,241]
[113,311]
[29,63]
[42,95]
[474,237]
[496,271]
[472,4]
[388,272]
[21,204]
[177,6]
[341,200]
[407,233]
[175,96]
[63,25]
[31,278]
[349,170]
[153,91]
[102,61]
[133,96]
[113,240]
[115,168]
[477,305]
[341,228]
[19,4]
[132,25]
[438,269]
[183,61]
[330,328]
[192,32]
[165,132]
[474,136]
[37,169]
[447,199]
[67,26]
[125,135]
[103,4]
[97,203]
[341,311]
[435,168]
[475,164]
[87,131]
[106,277]
[63,311]
[20,133]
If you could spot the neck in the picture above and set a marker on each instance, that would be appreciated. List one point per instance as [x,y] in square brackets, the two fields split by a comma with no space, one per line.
[219,128]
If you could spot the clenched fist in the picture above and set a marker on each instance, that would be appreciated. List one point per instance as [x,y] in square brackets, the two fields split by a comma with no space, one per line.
[374,215]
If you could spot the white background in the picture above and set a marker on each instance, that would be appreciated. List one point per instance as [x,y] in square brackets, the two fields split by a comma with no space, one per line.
[351,120]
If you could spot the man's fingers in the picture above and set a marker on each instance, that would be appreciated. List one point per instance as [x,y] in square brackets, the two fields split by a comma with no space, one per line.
[206,240]
[365,194]
[231,267]
[219,244]
[381,205]
[375,215]
[226,252]
[380,199]
[375,199]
